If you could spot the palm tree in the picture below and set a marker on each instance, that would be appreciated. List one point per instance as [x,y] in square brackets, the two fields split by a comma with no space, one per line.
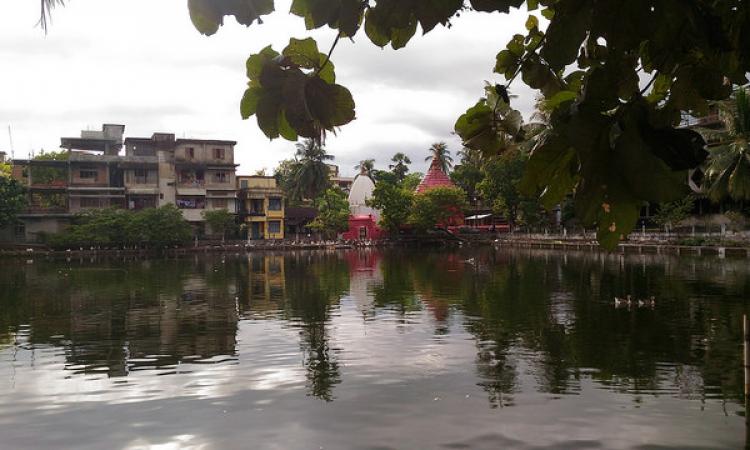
[366,167]
[312,175]
[439,152]
[729,164]
[46,11]
[401,166]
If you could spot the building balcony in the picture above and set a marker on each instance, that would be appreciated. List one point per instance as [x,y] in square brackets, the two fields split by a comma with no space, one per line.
[197,184]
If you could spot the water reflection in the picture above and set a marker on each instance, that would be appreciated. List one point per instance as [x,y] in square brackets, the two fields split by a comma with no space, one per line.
[514,324]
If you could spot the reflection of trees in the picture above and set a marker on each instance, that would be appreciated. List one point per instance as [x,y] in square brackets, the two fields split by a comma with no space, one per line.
[115,317]
[314,282]
[555,312]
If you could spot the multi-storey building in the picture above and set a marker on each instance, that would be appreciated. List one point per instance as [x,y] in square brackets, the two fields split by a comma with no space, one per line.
[261,206]
[196,175]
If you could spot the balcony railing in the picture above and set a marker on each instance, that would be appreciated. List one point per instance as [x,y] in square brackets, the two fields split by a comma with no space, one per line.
[192,183]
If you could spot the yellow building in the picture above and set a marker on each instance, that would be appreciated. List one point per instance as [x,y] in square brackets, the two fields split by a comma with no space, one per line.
[261,206]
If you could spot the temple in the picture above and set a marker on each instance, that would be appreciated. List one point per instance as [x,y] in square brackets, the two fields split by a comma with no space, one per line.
[437,178]
[363,220]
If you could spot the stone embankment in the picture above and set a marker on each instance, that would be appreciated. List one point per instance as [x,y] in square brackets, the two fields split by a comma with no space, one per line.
[635,247]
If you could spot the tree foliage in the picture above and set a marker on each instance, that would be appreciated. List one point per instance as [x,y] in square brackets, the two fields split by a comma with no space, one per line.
[439,152]
[333,212]
[366,166]
[400,166]
[729,167]
[12,200]
[436,207]
[219,220]
[308,175]
[151,227]
[394,202]
[672,213]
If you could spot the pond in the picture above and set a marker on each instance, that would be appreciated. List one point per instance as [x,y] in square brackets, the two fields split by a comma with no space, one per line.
[489,348]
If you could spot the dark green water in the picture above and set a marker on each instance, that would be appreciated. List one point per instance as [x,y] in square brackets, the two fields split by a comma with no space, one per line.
[496,349]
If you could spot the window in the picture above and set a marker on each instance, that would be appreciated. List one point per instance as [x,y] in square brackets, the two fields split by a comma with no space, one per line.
[243,184]
[220,177]
[190,152]
[20,230]
[87,174]
[274,226]
[274,204]
[141,173]
[219,153]
[220,203]
[256,206]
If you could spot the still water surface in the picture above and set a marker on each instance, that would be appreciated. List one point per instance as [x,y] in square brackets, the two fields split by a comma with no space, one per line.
[497,349]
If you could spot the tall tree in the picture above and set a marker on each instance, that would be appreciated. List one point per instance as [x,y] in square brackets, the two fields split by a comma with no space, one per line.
[394,202]
[400,166]
[333,212]
[439,152]
[366,166]
[469,173]
[729,165]
[12,200]
[312,175]
[436,207]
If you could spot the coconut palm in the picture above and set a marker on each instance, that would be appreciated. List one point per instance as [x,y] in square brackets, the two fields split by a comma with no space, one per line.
[46,11]
[728,170]
[439,152]
[312,174]
[401,166]
[366,167]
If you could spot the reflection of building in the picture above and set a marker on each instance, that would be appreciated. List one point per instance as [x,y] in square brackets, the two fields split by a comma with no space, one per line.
[363,220]
[266,281]
[261,207]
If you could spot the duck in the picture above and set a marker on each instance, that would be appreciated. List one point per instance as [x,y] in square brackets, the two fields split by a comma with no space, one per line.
[621,302]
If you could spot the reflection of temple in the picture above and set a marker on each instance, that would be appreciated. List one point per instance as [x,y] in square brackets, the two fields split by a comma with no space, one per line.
[365,272]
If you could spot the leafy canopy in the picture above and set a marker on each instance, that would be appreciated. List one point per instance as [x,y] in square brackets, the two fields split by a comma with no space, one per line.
[437,207]
[12,199]
[611,141]
[333,212]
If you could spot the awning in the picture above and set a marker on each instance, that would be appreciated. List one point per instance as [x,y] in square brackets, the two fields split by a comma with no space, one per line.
[479,217]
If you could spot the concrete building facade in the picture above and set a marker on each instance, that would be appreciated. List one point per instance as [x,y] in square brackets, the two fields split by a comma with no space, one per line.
[261,206]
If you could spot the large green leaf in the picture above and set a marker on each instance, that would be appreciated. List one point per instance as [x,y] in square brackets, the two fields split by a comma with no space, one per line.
[551,170]
[495,5]
[345,15]
[208,15]
[566,33]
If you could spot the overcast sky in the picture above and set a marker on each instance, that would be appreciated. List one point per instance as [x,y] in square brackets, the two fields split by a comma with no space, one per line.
[141,63]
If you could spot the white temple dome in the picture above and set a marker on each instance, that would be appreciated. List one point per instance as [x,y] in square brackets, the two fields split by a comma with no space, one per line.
[360,191]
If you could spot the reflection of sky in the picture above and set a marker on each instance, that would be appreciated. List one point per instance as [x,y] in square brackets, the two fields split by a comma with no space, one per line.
[402,386]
